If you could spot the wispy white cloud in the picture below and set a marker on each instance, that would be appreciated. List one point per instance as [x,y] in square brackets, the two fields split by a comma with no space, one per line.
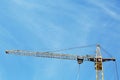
[106,9]
[43,29]
[50,70]
[110,12]
[6,36]
[25,4]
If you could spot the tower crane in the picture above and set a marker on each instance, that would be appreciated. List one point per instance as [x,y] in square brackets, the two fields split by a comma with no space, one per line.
[98,59]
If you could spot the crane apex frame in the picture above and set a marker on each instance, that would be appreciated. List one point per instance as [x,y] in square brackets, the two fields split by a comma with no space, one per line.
[98,59]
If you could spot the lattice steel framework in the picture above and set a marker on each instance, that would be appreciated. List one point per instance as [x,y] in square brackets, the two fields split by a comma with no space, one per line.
[98,60]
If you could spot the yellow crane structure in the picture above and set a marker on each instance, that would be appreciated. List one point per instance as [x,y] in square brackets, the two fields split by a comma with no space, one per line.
[98,59]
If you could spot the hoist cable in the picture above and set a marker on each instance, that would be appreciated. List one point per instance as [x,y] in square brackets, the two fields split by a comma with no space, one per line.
[116,67]
[116,70]
[78,73]
[59,50]
[106,52]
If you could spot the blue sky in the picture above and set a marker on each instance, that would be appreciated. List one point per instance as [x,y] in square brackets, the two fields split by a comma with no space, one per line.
[43,25]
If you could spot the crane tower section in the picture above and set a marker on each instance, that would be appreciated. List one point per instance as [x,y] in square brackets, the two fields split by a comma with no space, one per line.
[98,64]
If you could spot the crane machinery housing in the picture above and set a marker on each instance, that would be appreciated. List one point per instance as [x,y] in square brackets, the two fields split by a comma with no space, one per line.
[98,59]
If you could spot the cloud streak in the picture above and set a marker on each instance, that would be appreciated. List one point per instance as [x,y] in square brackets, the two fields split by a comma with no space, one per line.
[5,35]
[106,9]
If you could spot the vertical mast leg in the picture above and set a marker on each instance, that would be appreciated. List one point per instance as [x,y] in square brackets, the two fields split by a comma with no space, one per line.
[98,65]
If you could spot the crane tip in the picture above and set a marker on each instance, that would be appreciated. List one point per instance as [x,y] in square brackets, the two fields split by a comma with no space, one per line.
[98,45]
[6,52]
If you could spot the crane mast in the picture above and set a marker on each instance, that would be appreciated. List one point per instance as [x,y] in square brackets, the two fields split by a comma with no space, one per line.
[98,59]
[98,64]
